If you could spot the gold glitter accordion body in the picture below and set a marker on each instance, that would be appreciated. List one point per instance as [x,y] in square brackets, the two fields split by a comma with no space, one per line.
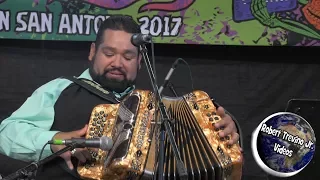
[131,125]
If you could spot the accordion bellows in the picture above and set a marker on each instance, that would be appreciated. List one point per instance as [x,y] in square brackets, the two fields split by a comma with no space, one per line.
[131,125]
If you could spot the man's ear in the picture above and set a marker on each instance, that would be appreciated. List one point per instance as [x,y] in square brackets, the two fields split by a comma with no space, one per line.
[92,51]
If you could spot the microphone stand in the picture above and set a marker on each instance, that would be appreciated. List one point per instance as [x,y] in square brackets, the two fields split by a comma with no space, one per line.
[165,126]
[26,172]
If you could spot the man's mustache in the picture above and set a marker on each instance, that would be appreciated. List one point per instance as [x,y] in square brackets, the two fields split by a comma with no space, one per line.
[114,69]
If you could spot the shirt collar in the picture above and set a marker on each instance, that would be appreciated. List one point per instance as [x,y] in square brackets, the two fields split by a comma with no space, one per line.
[86,75]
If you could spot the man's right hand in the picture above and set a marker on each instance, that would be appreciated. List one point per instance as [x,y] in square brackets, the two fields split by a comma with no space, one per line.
[81,154]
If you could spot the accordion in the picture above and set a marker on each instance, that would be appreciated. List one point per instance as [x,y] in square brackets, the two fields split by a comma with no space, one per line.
[133,126]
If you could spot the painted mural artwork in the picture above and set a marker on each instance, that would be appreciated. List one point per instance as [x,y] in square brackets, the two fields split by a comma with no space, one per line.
[227,22]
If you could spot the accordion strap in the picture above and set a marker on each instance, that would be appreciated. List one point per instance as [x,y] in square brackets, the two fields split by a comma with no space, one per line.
[94,88]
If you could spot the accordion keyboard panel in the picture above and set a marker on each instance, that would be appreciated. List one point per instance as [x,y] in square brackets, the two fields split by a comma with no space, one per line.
[128,124]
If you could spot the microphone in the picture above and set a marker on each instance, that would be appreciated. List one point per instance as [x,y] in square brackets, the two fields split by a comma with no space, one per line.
[140,39]
[166,80]
[104,143]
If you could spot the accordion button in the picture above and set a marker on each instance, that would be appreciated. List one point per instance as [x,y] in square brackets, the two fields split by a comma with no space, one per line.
[211,119]
[94,154]
[195,106]
[208,114]
[139,153]
[219,149]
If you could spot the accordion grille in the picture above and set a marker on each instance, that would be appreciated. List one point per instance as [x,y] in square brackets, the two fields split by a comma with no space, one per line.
[194,149]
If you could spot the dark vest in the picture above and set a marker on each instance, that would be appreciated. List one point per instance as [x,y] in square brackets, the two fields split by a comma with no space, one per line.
[72,111]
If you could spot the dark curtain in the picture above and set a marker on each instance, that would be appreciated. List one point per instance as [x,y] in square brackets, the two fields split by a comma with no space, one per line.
[250,85]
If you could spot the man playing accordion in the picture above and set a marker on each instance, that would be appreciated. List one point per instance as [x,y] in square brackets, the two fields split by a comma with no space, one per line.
[60,109]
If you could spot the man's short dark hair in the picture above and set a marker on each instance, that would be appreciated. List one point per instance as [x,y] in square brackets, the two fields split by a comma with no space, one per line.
[117,22]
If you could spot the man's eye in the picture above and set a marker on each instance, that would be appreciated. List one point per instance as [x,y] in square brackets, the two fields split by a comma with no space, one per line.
[109,55]
[128,58]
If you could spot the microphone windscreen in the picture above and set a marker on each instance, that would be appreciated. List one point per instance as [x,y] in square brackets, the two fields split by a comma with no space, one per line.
[106,143]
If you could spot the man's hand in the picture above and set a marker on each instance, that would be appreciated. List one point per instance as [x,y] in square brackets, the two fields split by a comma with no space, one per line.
[228,125]
[81,154]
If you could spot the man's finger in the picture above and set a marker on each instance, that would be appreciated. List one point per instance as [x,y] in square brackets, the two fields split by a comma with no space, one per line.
[67,159]
[86,154]
[94,150]
[241,150]
[222,123]
[79,155]
[221,112]
[234,138]
[82,132]
[227,130]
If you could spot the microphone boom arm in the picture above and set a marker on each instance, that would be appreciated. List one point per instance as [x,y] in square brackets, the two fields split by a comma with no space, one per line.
[29,169]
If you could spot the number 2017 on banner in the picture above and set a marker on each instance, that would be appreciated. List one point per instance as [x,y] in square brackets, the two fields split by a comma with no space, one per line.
[160,26]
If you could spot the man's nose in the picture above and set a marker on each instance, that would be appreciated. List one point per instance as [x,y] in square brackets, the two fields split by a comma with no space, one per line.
[117,62]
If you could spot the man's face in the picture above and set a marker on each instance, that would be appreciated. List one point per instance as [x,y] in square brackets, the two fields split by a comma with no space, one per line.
[116,61]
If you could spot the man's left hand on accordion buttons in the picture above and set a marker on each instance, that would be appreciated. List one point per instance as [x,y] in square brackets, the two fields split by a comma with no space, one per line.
[227,126]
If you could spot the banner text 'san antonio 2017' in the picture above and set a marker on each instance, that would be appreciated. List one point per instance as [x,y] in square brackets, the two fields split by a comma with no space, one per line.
[230,22]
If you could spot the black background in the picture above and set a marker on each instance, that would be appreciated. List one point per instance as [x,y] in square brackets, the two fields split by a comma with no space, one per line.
[250,82]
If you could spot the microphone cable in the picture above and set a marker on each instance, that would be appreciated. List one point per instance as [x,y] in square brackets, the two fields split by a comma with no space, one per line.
[170,84]
[41,152]
[40,155]
[190,72]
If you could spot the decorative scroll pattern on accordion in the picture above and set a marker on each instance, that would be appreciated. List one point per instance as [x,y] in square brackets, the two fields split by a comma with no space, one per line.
[131,126]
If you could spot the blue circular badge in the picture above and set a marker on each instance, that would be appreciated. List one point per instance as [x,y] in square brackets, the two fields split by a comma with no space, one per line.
[283,144]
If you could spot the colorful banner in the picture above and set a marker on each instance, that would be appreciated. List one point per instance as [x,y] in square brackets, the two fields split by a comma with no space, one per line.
[226,22]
